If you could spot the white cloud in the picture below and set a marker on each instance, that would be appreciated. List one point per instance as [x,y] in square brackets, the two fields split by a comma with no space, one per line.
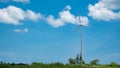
[14,15]
[111,4]
[33,16]
[22,1]
[65,16]
[11,15]
[67,7]
[54,22]
[25,30]
[105,10]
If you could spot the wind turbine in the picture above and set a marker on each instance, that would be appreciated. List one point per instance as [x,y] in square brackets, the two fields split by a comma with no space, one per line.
[81,40]
[81,45]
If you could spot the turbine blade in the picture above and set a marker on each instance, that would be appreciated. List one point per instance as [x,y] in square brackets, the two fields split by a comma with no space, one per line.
[79,25]
[77,28]
[80,21]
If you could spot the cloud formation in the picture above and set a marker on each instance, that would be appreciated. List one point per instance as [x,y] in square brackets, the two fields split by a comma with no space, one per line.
[14,15]
[65,16]
[105,10]
[25,30]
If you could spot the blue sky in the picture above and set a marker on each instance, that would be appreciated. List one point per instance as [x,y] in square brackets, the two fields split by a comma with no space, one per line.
[42,30]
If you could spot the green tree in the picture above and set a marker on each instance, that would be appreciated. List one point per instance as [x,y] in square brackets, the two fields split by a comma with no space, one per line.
[94,62]
[71,61]
[113,64]
[77,59]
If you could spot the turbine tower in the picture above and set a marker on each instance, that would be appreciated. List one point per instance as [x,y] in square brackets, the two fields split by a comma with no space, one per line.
[81,41]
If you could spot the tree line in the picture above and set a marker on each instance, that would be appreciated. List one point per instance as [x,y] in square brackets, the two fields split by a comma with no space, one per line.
[58,65]
[72,63]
